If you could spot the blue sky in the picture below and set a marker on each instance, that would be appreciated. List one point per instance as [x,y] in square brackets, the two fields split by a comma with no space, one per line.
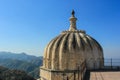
[28,25]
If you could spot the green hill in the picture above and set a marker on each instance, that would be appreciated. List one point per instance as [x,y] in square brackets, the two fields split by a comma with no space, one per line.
[7,74]
[29,64]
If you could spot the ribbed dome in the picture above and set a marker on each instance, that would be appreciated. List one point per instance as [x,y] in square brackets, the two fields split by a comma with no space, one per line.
[70,48]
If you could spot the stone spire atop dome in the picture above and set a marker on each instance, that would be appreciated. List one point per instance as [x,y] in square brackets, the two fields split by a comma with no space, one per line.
[73,13]
[73,22]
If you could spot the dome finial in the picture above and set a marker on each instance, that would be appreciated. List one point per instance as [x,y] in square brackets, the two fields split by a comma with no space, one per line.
[73,12]
[73,21]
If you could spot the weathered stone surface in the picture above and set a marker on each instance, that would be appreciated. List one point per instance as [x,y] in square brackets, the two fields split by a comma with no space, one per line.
[71,49]
[68,50]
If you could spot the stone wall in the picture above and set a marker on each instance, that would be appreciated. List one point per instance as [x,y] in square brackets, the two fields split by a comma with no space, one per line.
[61,75]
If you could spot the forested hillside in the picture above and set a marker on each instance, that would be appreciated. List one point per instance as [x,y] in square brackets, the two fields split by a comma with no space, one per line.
[7,74]
[29,64]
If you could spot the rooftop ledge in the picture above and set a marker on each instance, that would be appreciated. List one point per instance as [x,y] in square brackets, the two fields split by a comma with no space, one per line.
[75,31]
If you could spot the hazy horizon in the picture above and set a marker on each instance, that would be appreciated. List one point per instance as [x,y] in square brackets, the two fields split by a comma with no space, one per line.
[28,26]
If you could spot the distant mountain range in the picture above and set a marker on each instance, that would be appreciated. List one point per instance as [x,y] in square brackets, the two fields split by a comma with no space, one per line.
[22,61]
[20,56]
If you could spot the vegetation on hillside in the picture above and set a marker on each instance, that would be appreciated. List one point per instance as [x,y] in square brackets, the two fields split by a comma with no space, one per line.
[7,74]
[29,64]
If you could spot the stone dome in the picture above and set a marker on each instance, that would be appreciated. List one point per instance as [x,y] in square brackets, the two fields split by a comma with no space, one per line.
[72,47]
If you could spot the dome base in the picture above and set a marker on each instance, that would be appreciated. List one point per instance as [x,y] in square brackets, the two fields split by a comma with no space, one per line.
[47,74]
